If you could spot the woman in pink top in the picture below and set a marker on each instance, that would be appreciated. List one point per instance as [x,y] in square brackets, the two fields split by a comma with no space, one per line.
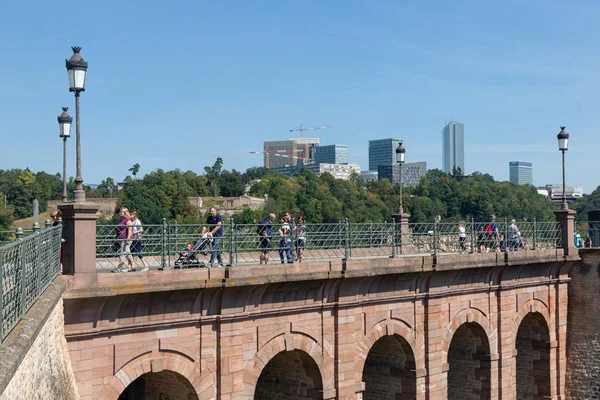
[124,234]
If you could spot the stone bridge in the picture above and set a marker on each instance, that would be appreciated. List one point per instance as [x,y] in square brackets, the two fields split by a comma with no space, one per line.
[479,326]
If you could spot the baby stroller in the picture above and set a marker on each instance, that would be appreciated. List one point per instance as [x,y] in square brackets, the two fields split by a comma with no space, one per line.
[187,257]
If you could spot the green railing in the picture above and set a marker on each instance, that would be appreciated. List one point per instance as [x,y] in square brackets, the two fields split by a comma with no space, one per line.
[27,267]
[168,245]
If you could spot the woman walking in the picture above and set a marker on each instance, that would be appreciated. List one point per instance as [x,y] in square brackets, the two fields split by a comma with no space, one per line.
[300,238]
[124,233]
[137,245]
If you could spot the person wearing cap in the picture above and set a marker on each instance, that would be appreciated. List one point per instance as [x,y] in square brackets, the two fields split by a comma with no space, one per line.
[493,238]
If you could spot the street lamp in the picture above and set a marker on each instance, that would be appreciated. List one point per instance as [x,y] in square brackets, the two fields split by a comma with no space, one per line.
[77,68]
[64,121]
[400,160]
[563,145]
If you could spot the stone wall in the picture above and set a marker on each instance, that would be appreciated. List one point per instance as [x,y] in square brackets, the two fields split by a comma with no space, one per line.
[35,360]
[315,330]
[583,342]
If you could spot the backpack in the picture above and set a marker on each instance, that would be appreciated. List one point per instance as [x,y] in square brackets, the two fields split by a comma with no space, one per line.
[489,230]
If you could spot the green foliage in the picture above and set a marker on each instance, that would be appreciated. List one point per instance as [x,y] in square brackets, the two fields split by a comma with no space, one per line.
[21,187]
[587,203]
[6,216]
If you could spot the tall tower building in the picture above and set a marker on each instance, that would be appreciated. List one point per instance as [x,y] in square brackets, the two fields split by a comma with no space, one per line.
[453,151]
[382,152]
[520,172]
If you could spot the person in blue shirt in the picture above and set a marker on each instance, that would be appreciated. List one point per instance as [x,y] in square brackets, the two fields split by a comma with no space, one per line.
[266,236]
[215,230]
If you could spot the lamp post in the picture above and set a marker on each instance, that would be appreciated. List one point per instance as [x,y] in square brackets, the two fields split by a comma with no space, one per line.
[77,68]
[64,121]
[563,145]
[400,160]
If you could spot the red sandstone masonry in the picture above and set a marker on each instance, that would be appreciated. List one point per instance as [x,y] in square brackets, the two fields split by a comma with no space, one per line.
[221,332]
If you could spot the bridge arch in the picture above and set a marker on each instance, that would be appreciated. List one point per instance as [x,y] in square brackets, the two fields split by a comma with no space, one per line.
[409,361]
[533,357]
[301,356]
[172,364]
[470,341]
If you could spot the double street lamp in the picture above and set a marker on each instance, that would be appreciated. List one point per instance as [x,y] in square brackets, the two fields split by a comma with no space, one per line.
[563,145]
[400,160]
[77,68]
[64,121]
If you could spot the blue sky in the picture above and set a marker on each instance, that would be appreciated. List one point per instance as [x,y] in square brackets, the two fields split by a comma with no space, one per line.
[178,84]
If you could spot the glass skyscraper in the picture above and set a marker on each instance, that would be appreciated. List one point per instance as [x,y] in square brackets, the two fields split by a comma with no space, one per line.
[382,152]
[521,172]
[453,147]
[332,154]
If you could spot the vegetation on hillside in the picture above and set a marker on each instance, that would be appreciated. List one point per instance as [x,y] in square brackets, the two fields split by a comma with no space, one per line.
[164,194]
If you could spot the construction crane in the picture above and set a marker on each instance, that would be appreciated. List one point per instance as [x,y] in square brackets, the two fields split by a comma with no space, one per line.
[277,154]
[313,128]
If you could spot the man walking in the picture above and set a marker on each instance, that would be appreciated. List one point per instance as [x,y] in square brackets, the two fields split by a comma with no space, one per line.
[215,230]
[266,235]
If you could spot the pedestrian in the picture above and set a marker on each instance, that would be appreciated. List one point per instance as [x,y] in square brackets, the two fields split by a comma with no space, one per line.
[300,231]
[265,231]
[124,234]
[491,231]
[215,230]
[514,236]
[462,237]
[56,216]
[285,240]
[137,245]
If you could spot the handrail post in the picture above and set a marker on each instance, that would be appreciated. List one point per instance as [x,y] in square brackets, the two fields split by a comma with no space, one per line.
[1,297]
[22,259]
[473,236]
[505,235]
[435,236]
[534,233]
[176,236]
[393,239]
[19,233]
[231,231]
[163,250]
[347,248]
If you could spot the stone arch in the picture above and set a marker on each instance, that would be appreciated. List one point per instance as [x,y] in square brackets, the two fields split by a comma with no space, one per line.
[290,342]
[533,306]
[468,315]
[533,358]
[385,328]
[469,363]
[156,362]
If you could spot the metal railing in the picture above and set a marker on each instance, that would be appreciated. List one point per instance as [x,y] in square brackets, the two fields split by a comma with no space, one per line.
[587,234]
[175,245]
[27,267]
[10,236]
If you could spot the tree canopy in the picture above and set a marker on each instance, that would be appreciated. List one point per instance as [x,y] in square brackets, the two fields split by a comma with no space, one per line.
[164,194]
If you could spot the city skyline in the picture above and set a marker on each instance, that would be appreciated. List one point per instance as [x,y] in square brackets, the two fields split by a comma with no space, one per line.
[500,76]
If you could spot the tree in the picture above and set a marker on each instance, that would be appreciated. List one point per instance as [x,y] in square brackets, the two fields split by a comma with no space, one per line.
[134,170]
[213,173]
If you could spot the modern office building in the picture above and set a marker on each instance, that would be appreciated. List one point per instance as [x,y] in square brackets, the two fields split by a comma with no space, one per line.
[368,176]
[339,171]
[411,173]
[332,154]
[453,147]
[382,152]
[281,153]
[520,172]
